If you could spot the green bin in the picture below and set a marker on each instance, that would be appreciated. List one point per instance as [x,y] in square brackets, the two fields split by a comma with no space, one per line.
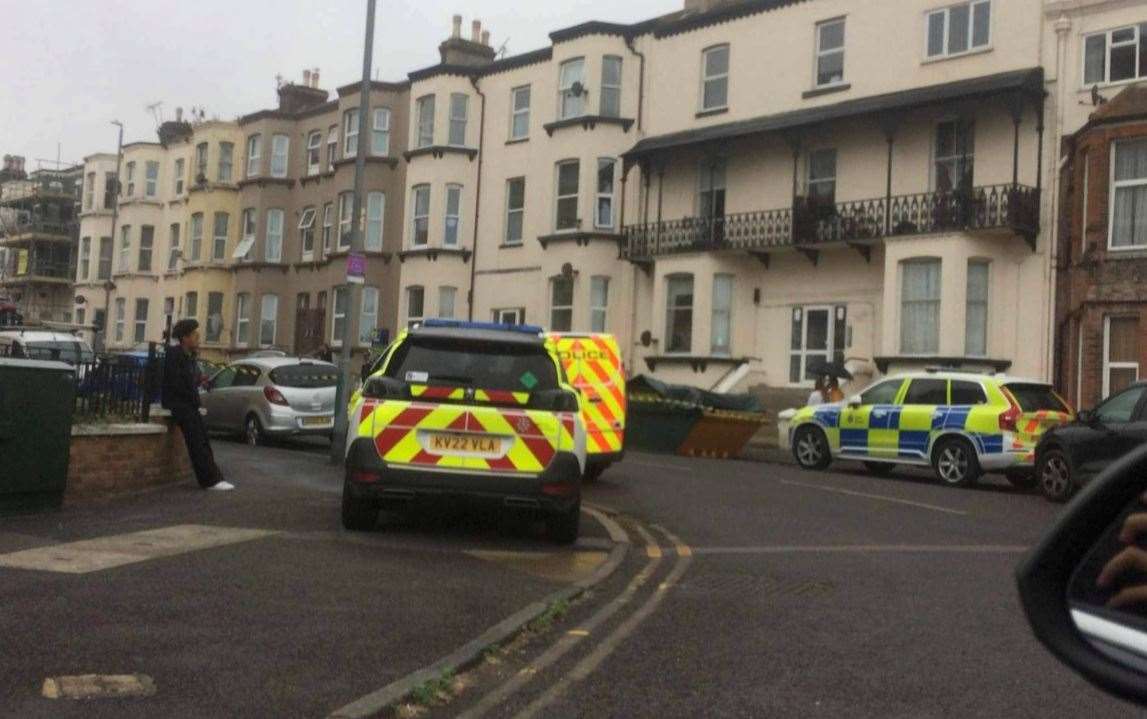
[36,402]
[656,424]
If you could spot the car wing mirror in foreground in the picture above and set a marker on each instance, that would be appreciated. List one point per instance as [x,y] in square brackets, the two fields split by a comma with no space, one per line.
[1084,587]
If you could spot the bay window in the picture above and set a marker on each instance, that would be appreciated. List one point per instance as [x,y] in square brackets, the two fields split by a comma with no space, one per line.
[1128,221]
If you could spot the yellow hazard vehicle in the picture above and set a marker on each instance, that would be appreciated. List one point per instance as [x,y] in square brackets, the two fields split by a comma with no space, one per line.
[592,362]
[472,411]
[961,425]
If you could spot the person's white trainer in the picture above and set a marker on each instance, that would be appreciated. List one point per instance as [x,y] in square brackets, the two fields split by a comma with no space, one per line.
[222,486]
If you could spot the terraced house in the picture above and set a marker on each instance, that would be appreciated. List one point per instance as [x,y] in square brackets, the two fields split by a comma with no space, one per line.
[737,189]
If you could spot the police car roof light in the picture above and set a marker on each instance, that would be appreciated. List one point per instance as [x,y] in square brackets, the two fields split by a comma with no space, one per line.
[463,324]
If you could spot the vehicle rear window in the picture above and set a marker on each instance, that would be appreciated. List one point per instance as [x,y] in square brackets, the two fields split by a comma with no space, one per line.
[305,375]
[1036,397]
[62,351]
[967,393]
[517,368]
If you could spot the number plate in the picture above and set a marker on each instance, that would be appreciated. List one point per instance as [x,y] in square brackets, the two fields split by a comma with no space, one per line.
[316,421]
[459,443]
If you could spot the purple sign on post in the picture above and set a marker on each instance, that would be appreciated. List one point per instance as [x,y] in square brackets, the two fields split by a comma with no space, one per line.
[355,267]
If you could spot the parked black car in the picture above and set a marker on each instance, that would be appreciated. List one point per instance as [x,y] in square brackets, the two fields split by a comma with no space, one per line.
[1069,456]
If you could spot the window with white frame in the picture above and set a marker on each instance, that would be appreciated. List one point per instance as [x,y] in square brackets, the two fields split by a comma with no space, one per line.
[130,170]
[711,188]
[191,305]
[976,309]
[561,303]
[679,313]
[459,109]
[721,311]
[307,233]
[339,315]
[598,302]
[104,270]
[226,155]
[273,249]
[566,217]
[254,153]
[453,215]
[249,227]
[151,178]
[146,244]
[350,133]
[120,310]
[958,29]
[1116,55]
[1129,195]
[85,258]
[420,215]
[268,317]
[415,303]
[178,173]
[140,333]
[610,101]
[222,230]
[830,52]
[280,152]
[603,207]
[515,209]
[332,147]
[446,297]
[368,316]
[424,112]
[1120,353]
[328,226]
[715,78]
[1085,160]
[954,156]
[822,175]
[920,306]
[380,132]
[571,88]
[510,315]
[195,242]
[375,212]
[346,215]
[125,248]
[817,334]
[89,190]
[214,323]
[173,246]
[520,113]
[314,152]
[200,162]
[242,319]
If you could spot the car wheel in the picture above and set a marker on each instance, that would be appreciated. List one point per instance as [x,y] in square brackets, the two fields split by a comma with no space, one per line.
[253,431]
[810,447]
[562,527]
[955,462]
[359,515]
[880,469]
[593,472]
[1022,480]
[1053,472]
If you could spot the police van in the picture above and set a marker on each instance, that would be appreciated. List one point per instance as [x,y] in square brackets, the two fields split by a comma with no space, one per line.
[592,363]
[467,410]
[961,425]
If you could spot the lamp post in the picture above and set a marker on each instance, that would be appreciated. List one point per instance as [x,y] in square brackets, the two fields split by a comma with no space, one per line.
[108,284]
[354,282]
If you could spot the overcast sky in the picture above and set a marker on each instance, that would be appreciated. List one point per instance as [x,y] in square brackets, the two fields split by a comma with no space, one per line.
[72,66]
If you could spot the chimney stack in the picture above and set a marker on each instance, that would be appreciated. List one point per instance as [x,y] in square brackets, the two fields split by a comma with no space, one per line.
[179,114]
[315,77]
[307,78]
[474,51]
[486,38]
[476,31]
[457,31]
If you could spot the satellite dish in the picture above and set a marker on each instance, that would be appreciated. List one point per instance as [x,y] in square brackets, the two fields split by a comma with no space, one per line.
[646,338]
[577,89]
[80,299]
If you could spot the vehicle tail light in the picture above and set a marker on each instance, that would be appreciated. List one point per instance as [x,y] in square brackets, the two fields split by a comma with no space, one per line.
[363,477]
[274,396]
[1011,415]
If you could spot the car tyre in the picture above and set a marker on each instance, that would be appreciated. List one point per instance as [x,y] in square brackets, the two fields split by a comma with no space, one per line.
[593,472]
[810,448]
[358,515]
[1021,480]
[562,527]
[253,431]
[955,462]
[879,469]
[1054,475]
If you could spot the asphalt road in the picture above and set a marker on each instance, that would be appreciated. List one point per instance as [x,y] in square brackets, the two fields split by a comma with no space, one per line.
[749,590]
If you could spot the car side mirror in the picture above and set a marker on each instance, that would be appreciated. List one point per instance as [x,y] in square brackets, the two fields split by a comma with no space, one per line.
[1084,587]
[855,401]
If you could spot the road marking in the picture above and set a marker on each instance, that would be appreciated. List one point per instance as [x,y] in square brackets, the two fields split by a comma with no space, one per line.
[867,548]
[593,660]
[653,551]
[879,497]
[682,549]
[496,697]
[561,566]
[94,555]
[98,686]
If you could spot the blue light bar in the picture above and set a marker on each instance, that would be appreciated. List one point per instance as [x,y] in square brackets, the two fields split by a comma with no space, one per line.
[464,325]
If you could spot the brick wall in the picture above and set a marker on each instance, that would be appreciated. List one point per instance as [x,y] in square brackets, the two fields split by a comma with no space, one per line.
[114,462]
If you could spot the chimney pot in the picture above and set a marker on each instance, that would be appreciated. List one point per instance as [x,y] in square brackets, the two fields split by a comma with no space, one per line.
[315,77]
[476,31]
[179,114]
[486,38]
[456,32]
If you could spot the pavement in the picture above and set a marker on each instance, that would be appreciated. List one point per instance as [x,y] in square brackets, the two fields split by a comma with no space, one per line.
[751,589]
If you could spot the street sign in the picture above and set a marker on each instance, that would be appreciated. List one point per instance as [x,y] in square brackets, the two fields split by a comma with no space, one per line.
[355,268]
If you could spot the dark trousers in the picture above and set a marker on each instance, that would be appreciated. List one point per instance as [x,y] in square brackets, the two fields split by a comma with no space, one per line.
[198,446]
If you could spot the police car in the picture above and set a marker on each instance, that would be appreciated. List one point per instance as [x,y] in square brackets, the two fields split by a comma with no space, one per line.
[477,411]
[961,425]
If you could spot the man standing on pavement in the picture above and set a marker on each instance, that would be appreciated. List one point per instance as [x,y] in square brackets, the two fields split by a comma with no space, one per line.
[181,396]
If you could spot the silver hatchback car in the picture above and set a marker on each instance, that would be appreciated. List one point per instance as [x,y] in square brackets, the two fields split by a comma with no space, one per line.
[262,397]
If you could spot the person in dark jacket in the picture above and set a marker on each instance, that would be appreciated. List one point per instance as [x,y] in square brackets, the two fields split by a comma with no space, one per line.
[181,397]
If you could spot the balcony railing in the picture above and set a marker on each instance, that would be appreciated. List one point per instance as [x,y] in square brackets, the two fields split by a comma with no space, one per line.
[810,223]
[37,269]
